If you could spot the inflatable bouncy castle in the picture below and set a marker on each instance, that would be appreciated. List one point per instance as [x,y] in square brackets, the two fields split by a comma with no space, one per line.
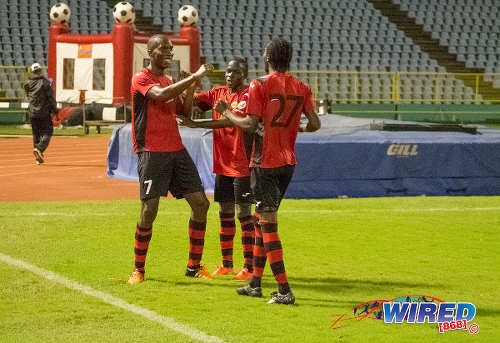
[99,67]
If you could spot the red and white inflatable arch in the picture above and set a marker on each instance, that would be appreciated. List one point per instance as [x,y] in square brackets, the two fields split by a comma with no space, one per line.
[73,60]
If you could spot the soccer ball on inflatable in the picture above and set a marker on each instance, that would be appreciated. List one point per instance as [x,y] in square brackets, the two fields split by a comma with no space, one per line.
[188,15]
[124,12]
[60,13]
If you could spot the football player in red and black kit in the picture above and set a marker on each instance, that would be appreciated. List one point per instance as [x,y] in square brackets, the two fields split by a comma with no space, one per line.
[163,162]
[275,104]
[231,152]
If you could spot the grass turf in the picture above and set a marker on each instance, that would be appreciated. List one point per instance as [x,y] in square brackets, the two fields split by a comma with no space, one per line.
[338,254]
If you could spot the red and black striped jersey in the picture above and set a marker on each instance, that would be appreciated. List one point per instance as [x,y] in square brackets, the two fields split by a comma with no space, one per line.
[154,124]
[278,99]
[231,145]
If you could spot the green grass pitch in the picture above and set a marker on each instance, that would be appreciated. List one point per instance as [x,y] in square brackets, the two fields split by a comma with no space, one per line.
[338,254]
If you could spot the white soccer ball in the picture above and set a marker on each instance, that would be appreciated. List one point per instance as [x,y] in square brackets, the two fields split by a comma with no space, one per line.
[124,12]
[188,15]
[60,13]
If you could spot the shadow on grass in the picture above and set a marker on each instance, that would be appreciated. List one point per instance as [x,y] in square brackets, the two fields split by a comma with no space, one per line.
[319,284]
[487,312]
[158,280]
[330,284]
[327,285]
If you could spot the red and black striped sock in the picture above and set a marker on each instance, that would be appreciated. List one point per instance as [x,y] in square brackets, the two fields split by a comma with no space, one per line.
[226,235]
[274,252]
[259,257]
[142,239]
[247,240]
[196,242]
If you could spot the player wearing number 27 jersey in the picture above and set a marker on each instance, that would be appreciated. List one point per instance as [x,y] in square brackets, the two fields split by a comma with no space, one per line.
[278,100]
[275,104]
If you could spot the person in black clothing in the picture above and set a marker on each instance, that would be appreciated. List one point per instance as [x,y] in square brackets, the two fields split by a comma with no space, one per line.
[41,107]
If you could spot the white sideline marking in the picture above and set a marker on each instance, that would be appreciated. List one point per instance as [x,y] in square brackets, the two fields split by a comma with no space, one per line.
[108,298]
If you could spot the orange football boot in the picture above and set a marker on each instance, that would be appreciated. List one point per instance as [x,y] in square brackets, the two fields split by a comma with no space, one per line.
[221,270]
[244,274]
[136,277]
[203,273]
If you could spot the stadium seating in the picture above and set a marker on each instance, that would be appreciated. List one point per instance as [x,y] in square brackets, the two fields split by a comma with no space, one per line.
[327,36]
[350,37]
[469,29]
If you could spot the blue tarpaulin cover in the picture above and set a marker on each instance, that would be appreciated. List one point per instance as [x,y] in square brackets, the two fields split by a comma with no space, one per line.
[347,159]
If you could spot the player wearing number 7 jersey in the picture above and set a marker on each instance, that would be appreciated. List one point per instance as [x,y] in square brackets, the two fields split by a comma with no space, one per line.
[163,163]
[275,104]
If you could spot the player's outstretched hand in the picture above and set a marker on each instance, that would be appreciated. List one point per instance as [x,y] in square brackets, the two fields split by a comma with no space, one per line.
[183,74]
[204,70]
[221,106]
[186,122]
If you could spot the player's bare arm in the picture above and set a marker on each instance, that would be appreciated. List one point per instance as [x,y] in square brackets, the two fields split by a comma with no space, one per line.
[188,103]
[220,107]
[313,123]
[211,124]
[215,124]
[172,91]
[248,123]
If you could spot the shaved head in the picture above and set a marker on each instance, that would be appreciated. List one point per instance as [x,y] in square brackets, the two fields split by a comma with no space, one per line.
[155,40]
[160,51]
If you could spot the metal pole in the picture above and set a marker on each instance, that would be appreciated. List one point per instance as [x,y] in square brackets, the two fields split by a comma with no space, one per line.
[437,88]
[316,85]
[397,87]
[393,87]
[356,87]
[477,88]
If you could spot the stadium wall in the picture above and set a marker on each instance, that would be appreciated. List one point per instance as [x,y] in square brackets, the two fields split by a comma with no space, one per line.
[468,113]
[12,113]
[410,112]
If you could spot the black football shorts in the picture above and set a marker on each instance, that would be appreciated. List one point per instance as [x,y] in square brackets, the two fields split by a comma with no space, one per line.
[160,172]
[269,186]
[232,189]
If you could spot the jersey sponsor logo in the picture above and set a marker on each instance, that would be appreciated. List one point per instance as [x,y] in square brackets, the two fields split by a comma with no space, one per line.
[241,105]
[402,150]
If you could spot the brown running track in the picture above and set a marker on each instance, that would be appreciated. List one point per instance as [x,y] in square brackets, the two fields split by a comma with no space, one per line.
[74,169]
